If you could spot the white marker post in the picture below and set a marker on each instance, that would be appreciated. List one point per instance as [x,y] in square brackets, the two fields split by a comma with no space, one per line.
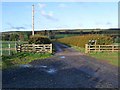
[9,48]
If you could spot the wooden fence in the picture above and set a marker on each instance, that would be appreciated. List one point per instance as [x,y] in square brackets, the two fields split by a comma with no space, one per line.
[41,48]
[99,48]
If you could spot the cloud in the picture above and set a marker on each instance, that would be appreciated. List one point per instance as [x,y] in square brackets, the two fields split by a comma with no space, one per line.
[27,25]
[62,26]
[108,23]
[41,5]
[48,15]
[62,5]
[18,28]
[98,23]
[104,23]
[15,27]
[80,24]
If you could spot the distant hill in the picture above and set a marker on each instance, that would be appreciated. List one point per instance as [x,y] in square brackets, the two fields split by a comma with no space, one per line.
[24,35]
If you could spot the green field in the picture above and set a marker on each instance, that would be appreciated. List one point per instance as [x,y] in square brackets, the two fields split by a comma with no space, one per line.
[12,43]
[5,45]
[110,57]
[64,35]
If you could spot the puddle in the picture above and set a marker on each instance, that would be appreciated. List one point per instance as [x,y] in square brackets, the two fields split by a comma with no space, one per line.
[25,66]
[43,66]
[62,57]
[29,65]
[40,66]
[51,71]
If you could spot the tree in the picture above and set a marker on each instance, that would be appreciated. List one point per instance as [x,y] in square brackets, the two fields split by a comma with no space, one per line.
[45,33]
[21,37]
[6,37]
[14,37]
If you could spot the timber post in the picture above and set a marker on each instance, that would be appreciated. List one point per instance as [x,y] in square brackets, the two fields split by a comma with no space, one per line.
[86,48]
[50,48]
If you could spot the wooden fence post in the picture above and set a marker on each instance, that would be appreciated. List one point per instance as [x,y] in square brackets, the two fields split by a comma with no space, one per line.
[95,47]
[99,48]
[33,47]
[50,48]
[112,48]
[19,48]
[86,48]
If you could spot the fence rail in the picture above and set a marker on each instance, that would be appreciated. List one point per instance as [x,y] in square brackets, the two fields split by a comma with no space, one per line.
[35,48]
[99,48]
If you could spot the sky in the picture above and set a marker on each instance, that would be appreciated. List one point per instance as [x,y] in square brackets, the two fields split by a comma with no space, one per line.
[17,16]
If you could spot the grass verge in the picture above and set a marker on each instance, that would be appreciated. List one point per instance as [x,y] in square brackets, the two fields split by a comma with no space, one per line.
[110,57]
[21,58]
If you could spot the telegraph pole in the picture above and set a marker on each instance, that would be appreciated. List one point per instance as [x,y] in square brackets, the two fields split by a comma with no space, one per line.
[33,20]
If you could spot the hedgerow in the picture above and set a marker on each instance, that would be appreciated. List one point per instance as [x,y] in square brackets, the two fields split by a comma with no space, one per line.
[37,39]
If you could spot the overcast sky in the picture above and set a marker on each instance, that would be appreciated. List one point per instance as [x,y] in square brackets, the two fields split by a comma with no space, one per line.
[17,16]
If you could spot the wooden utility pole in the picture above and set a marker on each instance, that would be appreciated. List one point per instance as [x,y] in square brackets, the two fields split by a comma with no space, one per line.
[33,20]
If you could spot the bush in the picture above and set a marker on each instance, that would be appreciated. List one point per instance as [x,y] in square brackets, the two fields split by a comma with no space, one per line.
[117,40]
[36,39]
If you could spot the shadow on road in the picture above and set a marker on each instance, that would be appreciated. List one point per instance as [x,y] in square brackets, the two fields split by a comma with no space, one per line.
[37,77]
[66,69]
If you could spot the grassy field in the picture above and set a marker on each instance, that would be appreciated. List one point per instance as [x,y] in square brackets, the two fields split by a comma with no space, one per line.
[110,57]
[5,45]
[64,35]
[21,58]
[12,43]
[80,41]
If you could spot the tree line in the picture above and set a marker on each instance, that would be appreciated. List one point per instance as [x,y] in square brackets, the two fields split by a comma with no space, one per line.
[15,36]
[25,35]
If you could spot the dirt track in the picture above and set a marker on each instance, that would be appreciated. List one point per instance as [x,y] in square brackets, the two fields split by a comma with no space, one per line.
[66,69]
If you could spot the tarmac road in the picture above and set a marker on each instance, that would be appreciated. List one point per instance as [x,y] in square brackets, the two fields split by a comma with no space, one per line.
[68,68]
